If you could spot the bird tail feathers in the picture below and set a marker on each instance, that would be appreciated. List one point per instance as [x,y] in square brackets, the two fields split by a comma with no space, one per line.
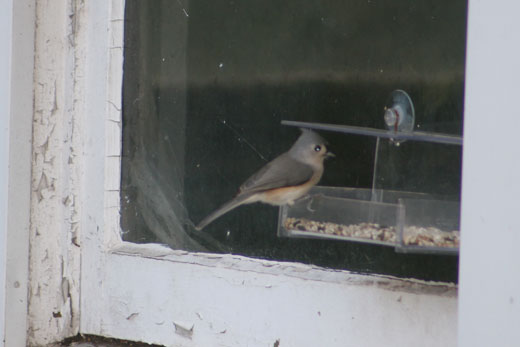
[228,206]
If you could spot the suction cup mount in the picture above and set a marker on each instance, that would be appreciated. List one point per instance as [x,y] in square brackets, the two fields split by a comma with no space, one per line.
[399,113]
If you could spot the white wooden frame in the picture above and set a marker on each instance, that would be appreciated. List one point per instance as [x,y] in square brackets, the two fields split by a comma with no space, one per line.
[85,279]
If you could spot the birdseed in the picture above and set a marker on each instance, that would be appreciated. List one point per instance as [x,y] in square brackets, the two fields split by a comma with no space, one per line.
[413,235]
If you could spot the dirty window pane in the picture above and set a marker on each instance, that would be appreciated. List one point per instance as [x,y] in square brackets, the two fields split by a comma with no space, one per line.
[207,84]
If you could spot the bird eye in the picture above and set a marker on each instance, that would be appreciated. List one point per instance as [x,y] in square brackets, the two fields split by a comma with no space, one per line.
[317,148]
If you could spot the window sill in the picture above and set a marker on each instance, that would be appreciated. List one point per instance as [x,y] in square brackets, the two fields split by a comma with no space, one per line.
[289,269]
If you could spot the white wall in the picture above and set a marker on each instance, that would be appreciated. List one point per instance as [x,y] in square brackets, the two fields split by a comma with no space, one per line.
[5,74]
[489,296]
[16,103]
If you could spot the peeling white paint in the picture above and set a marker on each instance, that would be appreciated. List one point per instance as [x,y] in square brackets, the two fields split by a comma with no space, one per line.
[54,252]
[101,158]
[184,329]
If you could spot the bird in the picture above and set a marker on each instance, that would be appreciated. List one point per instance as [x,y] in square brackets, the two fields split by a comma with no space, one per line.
[283,180]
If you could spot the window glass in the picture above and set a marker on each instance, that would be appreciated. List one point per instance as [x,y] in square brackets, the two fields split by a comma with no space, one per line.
[208,82]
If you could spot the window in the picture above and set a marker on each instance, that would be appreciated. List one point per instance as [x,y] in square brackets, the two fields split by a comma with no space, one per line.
[206,87]
[144,292]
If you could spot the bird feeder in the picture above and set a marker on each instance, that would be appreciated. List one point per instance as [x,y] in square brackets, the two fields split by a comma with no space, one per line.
[403,209]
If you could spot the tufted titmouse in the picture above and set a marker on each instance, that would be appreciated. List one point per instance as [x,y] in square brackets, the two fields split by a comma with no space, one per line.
[283,180]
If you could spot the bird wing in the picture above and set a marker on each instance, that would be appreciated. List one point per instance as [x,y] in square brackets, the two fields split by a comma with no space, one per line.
[283,171]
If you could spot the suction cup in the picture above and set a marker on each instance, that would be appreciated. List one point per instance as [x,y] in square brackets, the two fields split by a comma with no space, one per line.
[399,113]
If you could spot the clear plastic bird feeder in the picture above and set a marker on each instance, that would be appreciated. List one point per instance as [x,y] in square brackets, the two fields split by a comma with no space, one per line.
[406,208]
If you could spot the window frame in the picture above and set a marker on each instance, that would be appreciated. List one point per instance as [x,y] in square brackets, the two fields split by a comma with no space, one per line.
[103,252]
[108,308]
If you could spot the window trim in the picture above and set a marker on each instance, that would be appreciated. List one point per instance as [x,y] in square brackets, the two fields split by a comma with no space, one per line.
[105,149]
[96,81]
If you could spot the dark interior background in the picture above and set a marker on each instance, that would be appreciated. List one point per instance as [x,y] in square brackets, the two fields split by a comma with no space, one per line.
[207,83]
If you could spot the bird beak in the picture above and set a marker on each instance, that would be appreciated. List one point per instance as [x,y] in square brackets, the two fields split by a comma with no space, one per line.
[330,155]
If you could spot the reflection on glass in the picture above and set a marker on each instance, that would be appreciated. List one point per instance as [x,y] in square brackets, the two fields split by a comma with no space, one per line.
[207,84]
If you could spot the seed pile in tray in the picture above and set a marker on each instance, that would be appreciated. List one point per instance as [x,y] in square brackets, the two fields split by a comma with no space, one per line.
[368,231]
[413,236]
[430,237]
